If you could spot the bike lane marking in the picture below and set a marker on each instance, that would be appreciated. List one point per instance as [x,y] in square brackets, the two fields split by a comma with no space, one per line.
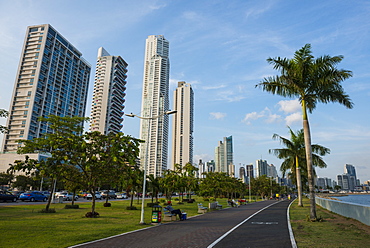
[241,223]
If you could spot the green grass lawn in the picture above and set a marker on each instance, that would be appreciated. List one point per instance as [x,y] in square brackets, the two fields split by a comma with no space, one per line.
[24,226]
[334,231]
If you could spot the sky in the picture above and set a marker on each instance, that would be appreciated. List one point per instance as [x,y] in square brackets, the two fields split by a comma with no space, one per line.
[220,48]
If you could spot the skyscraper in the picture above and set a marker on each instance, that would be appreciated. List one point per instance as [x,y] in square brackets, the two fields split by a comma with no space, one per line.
[224,155]
[261,166]
[182,126]
[109,93]
[52,79]
[242,175]
[249,170]
[155,102]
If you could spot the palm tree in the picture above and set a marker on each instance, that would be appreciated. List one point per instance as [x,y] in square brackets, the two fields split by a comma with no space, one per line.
[312,81]
[294,155]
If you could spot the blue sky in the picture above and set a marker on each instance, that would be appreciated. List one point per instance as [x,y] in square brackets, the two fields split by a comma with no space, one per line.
[220,47]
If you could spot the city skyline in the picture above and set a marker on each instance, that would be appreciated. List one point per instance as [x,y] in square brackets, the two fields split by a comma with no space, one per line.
[221,50]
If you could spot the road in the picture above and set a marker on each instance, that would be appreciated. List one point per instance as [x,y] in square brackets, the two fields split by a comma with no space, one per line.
[259,224]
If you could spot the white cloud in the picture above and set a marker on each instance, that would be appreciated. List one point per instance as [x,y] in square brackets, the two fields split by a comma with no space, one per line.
[295,117]
[252,116]
[214,87]
[217,115]
[272,118]
[289,106]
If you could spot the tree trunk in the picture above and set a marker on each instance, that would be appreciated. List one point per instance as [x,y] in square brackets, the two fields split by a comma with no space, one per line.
[307,141]
[50,197]
[299,183]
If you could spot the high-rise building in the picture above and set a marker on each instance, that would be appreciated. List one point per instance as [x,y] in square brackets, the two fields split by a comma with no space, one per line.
[249,170]
[224,155]
[52,79]
[261,166]
[182,129]
[210,166]
[155,102]
[109,93]
[242,174]
[271,171]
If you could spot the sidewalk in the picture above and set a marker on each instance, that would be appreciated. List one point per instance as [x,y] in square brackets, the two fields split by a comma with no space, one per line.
[268,228]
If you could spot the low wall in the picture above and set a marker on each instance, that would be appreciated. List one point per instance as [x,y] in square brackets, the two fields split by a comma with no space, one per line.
[354,211]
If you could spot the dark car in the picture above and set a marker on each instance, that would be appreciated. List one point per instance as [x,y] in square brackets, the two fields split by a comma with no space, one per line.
[33,196]
[7,196]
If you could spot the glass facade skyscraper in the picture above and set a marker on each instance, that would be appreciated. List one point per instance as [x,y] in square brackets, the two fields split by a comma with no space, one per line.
[52,79]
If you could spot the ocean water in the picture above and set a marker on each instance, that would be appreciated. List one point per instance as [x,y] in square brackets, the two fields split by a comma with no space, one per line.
[357,199]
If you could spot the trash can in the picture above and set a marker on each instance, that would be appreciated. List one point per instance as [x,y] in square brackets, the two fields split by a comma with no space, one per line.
[60,199]
[184,216]
[156,214]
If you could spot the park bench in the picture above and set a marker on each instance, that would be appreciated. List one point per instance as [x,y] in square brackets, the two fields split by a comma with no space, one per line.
[214,205]
[168,216]
[202,209]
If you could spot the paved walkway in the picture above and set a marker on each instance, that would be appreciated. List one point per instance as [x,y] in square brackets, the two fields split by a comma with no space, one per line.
[259,224]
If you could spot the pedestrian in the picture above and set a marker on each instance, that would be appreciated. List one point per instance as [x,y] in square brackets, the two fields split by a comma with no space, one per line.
[174,211]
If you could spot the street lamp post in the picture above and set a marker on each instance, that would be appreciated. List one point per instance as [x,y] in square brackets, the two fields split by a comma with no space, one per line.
[149,119]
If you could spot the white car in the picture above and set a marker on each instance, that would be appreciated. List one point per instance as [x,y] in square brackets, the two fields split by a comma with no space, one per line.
[97,196]
[121,195]
[66,196]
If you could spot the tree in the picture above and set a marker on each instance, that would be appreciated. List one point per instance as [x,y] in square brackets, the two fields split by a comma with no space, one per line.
[56,146]
[4,114]
[313,81]
[261,185]
[97,157]
[294,155]
[6,179]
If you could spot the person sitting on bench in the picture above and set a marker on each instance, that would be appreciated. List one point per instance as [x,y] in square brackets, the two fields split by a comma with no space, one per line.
[174,211]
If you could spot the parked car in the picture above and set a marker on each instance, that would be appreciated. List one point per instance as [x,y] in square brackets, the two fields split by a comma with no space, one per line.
[33,196]
[66,196]
[121,196]
[17,193]
[7,196]
[111,194]
[97,196]
[46,193]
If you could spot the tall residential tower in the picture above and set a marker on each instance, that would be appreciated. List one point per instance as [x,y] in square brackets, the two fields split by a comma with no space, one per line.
[109,93]
[52,79]
[182,128]
[155,102]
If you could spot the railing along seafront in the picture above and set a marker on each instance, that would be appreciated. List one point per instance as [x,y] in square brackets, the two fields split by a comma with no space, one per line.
[351,210]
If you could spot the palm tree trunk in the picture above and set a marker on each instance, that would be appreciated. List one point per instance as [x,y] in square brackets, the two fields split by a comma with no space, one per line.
[307,141]
[299,183]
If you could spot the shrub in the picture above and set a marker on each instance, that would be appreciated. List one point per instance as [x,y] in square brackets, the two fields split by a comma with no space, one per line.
[50,210]
[205,199]
[107,204]
[212,199]
[162,200]
[92,215]
[151,204]
[131,208]
[71,206]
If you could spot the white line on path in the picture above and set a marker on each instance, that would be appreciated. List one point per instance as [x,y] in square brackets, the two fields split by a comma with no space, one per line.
[241,223]
[292,239]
